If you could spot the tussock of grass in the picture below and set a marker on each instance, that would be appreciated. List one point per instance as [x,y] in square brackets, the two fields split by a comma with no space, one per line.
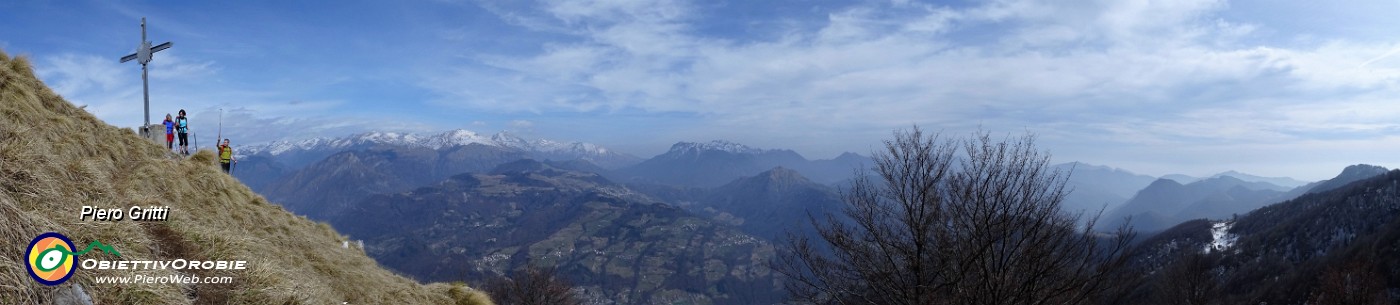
[461,294]
[56,158]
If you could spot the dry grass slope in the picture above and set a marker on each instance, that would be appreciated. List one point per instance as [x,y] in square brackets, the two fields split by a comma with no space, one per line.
[56,158]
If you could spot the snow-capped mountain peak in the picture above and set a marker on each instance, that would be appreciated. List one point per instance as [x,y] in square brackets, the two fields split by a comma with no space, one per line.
[506,139]
[716,145]
[509,140]
[453,138]
[542,148]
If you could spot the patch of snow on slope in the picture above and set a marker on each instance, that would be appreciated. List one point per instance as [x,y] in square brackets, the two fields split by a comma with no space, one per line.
[1221,239]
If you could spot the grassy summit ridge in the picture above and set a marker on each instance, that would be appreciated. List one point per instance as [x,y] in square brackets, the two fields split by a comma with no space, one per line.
[56,158]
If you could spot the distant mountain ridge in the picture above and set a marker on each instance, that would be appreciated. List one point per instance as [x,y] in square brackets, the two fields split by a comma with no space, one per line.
[1180,178]
[1112,179]
[695,148]
[1285,182]
[714,163]
[1096,187]
[1282,182]
[1167,202]
[540,148]
[1349,174]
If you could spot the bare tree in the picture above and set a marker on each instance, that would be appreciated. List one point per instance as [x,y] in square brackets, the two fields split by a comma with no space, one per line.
[938,227]
[532,286]
[1353,283]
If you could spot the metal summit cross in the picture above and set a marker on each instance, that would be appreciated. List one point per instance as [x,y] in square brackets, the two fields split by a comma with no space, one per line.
[143,56]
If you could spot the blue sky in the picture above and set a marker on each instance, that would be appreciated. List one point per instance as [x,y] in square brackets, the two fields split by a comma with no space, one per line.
[1277,88]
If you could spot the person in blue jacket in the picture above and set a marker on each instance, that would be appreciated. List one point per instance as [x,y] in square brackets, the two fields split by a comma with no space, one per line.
[169,132]
[182,126]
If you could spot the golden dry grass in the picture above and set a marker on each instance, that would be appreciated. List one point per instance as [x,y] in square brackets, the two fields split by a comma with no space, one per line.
[56,158]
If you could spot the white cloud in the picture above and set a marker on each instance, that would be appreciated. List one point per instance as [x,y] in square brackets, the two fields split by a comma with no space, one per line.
[104,86]
[112,90]
[251,126]
[524,127]
[168,65]
[579,12]
[76,73]
[1155,73]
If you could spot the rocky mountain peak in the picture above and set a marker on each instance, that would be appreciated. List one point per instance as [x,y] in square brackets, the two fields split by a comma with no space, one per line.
[1362,170]
[716,145]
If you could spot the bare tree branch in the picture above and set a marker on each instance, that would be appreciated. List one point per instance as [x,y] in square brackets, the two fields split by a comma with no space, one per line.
[533,286]
[974,221]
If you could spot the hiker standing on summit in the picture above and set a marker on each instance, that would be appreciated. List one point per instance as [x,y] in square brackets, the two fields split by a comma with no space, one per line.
[169,132]
[182,125]
[226,156]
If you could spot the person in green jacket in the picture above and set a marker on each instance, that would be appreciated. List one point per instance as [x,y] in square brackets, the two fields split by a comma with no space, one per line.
[226,156]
